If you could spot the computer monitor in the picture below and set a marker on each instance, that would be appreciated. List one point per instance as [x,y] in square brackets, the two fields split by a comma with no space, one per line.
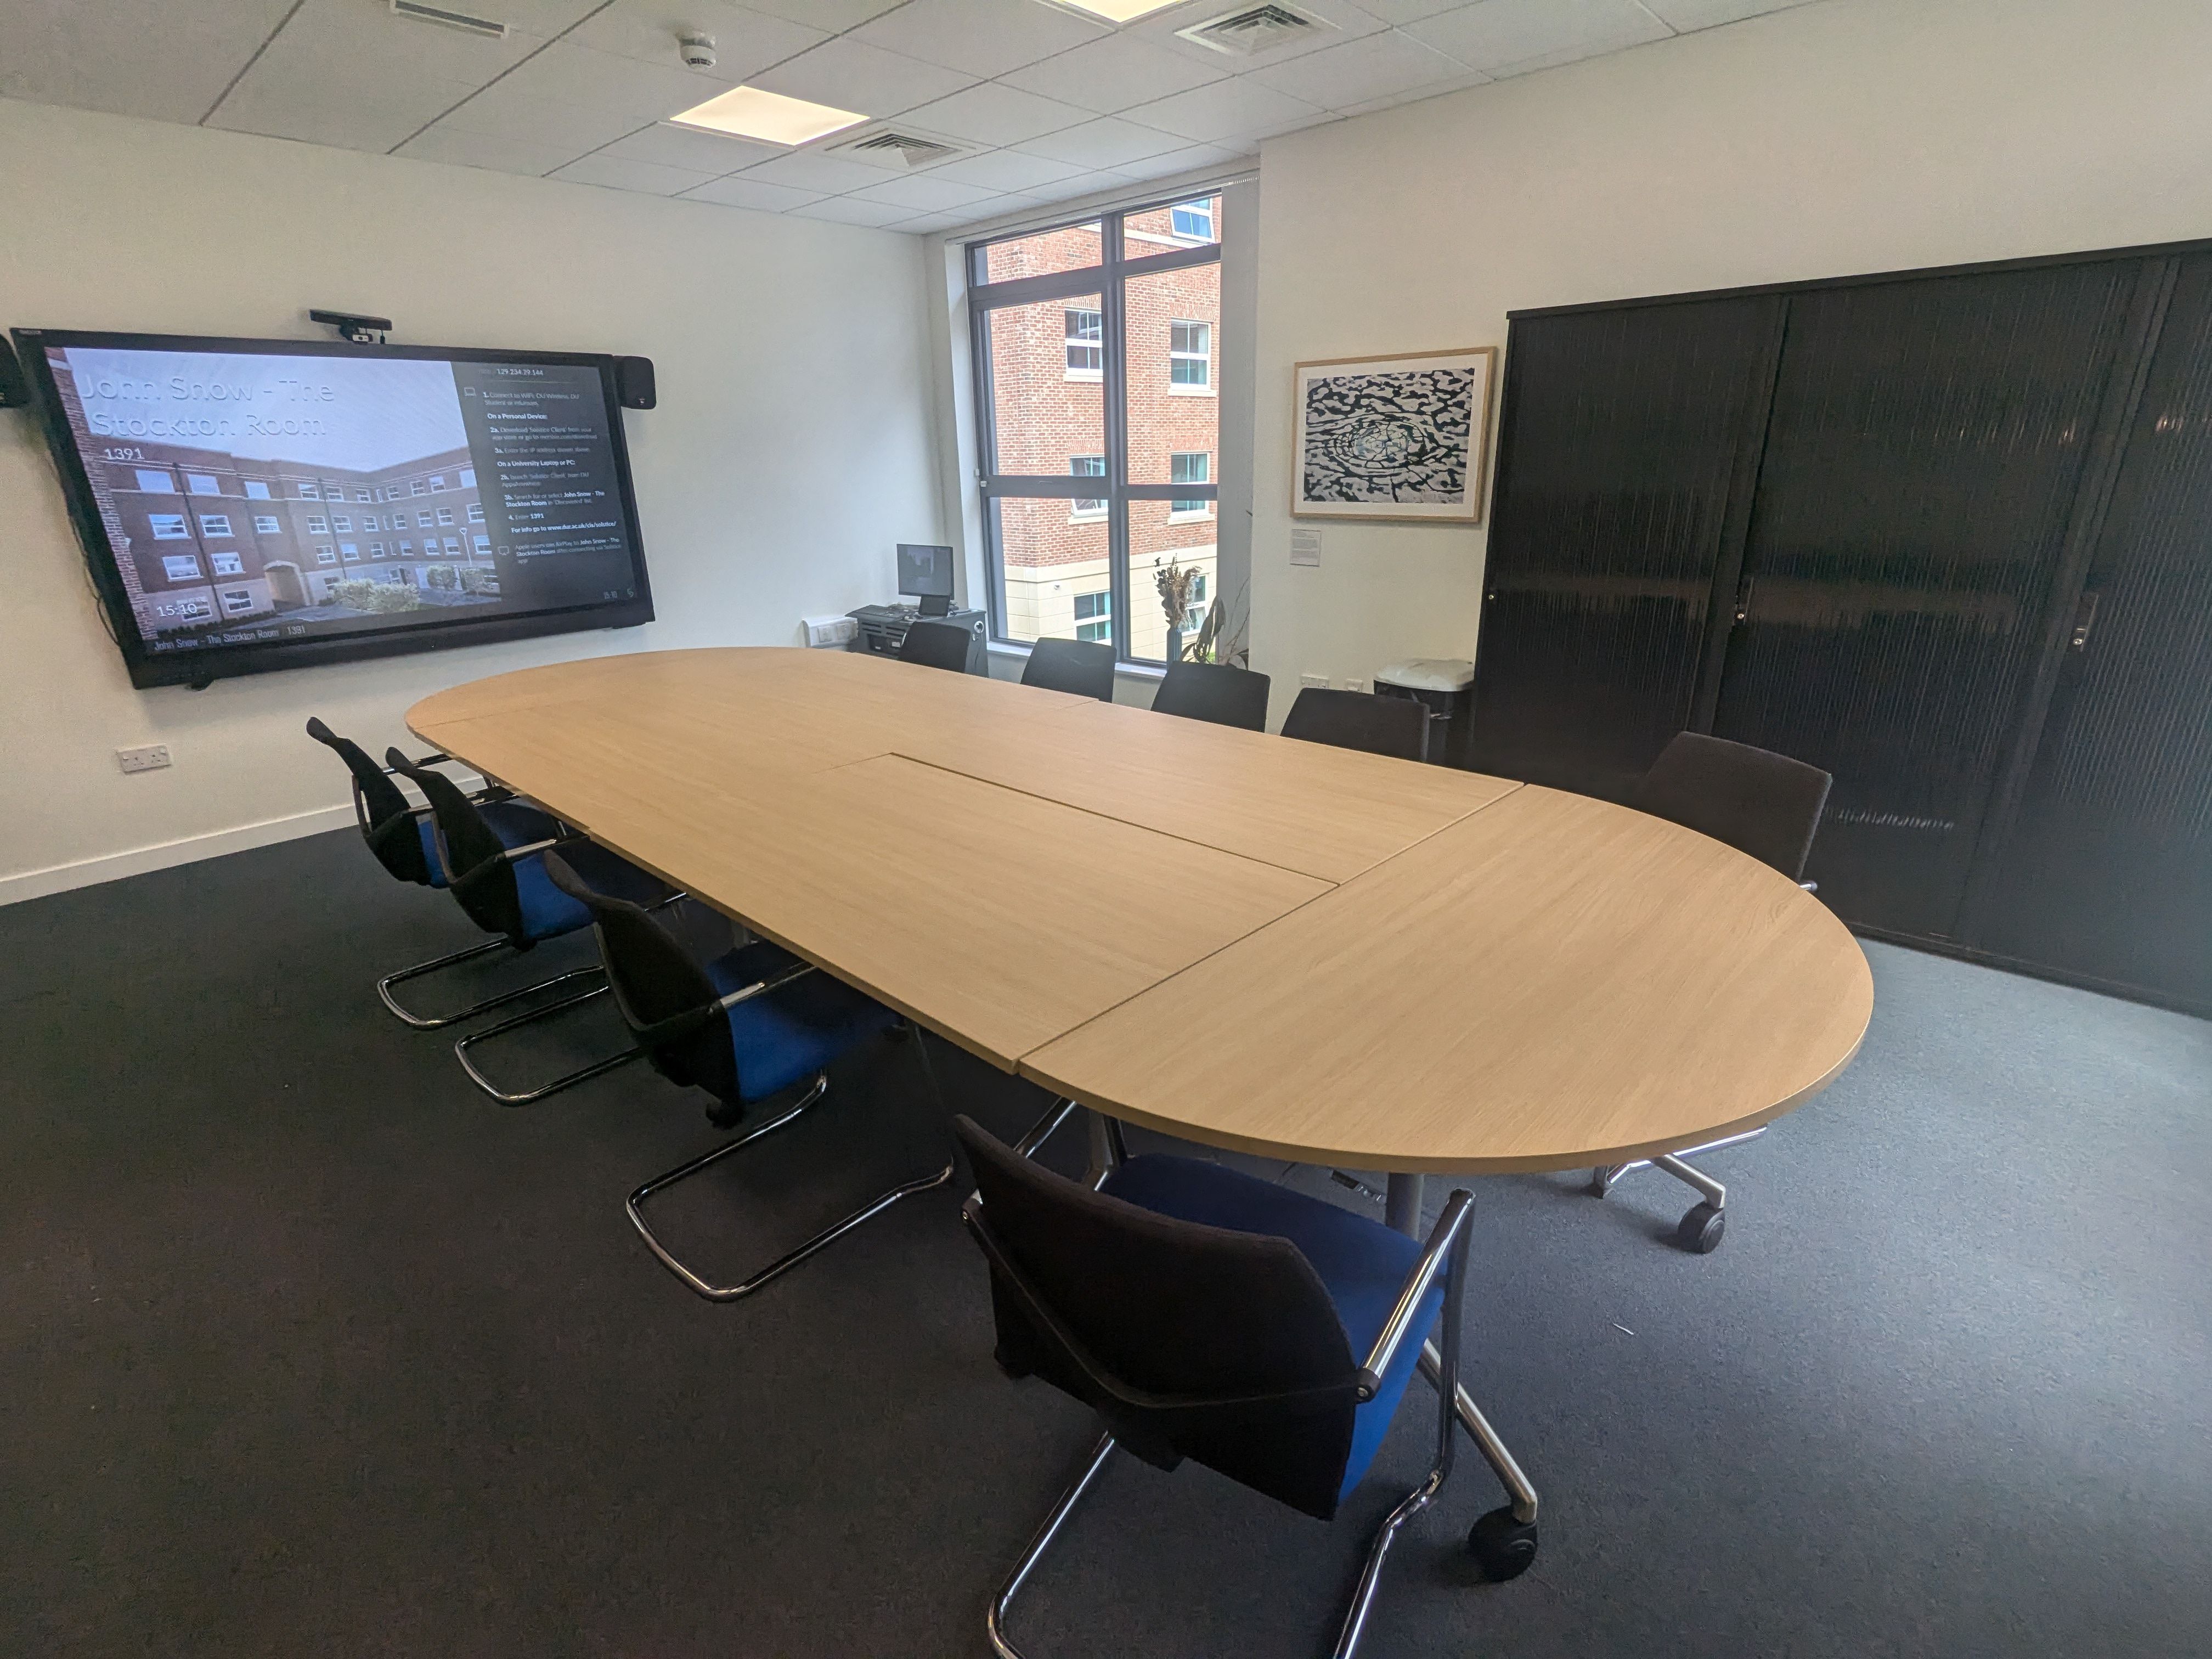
[925,572]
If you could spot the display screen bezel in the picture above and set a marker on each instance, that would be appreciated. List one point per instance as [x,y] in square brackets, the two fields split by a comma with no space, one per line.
[151,668]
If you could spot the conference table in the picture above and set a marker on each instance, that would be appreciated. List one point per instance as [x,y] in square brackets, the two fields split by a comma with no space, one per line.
[1258,943]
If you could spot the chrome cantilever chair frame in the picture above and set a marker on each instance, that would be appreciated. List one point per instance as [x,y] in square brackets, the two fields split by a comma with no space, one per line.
[697,1283]
[1446,1252]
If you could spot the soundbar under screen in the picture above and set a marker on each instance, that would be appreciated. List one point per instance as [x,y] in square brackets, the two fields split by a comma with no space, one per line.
[251,504]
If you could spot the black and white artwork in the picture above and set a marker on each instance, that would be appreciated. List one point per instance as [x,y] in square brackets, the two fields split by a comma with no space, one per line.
[1401,437]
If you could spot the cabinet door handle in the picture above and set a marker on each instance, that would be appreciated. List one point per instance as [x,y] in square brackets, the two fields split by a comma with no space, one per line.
[1744,590]
[2085,618]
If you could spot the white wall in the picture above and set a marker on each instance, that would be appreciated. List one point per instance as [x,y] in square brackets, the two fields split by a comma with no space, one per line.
[791,451]
[1852,136]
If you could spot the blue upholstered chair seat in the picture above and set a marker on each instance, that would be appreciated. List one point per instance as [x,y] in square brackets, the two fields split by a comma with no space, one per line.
[788,1035]
[1363,1264]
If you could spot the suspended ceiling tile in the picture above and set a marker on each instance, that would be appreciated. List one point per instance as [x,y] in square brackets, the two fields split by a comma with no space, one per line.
[1359,71]
[1105,142]
[643,177]
[755,193]
[1116,73]
[1208,114]
[711,152]
[745,41]
[849,210]
[148,58]
[1513,37]
[574,75]
[807,170]
[506,111]
[983,38]
[848,74]
[925,193]
[836,15]
[482,149]
[997,115]
[1005,169]
[1687,14]
[378,116]
[1190,160]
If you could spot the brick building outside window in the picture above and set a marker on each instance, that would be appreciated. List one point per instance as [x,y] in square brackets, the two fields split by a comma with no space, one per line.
[1098,345]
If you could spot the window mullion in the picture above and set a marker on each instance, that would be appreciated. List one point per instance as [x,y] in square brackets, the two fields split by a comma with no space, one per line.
[1112,299]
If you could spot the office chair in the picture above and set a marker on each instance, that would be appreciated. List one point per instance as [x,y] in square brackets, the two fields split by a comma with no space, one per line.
[1359,720]
[1209,1314]
[744,1025]
[1762,804]
[1214,691]
[492,861]
[936,645]
[1082,667]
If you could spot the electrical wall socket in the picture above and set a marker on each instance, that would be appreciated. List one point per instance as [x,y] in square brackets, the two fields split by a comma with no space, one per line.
[151,758]
[1354,682]
[1318,680]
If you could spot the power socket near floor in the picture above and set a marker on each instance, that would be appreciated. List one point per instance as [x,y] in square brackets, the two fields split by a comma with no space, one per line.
[1318,682]
[150,758]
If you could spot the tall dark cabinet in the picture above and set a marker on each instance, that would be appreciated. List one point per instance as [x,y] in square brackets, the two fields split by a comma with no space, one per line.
[1948,535]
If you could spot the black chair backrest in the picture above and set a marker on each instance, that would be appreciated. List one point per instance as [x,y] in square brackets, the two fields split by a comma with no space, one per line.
[1397,726]
[387,821]
[1190,1341]
[472,849]
[654,980]
[1083,667]
[1758,802]
[937,645]
[1214,691]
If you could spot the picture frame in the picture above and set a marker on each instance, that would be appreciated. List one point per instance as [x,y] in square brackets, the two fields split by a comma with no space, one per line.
[1402,438]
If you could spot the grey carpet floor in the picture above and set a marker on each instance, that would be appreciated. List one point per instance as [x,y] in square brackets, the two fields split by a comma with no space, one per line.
[307,1348]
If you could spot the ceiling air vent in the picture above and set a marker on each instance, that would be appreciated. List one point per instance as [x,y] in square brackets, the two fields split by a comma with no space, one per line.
[906,152]
[450,19]
[1251,30]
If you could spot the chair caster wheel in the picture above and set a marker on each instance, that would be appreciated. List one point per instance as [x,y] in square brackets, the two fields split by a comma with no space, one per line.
[1503,1546]
[1700,1230]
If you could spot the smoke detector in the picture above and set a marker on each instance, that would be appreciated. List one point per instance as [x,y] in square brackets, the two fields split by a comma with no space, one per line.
[1251,30]
[697,51]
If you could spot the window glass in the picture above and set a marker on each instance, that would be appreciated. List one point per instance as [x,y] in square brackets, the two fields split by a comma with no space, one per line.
[179,567]
[1194,467]
[266,525]
[1172,318]
[169,526]
[237,601]
[1190,355]
[256,490]
[1170,553]
[227,564]
[1072,247]
[1086,354]
[155,482]
[1172,227]
[327,555]
[309,491]
[1094,616]
[1042,411]
[202,483]
[350,551]
[1087,466]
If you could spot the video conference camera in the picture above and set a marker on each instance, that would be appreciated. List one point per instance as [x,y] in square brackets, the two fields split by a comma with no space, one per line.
[362,331]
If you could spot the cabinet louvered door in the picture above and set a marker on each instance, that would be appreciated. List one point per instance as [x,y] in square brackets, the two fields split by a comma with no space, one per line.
[2107,870]
[1922,458]
[1626,433]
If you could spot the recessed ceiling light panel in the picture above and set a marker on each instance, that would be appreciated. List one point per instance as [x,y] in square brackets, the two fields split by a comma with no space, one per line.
[1120,11]
[767,117]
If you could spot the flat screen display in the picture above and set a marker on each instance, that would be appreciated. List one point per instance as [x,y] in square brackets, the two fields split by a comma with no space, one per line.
[924,571]
[253,504]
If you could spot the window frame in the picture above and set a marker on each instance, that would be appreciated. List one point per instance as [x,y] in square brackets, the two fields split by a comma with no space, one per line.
[1203,359]
[1107,280]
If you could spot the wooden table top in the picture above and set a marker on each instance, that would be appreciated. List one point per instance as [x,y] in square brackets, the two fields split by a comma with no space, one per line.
[1244,939]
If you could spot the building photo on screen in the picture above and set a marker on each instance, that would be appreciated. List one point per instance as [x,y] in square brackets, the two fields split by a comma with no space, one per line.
[257,498]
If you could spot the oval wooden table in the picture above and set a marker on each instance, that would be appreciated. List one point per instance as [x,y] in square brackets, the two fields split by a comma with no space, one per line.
[1247,941]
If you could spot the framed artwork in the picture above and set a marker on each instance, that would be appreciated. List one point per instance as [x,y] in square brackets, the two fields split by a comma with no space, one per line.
[1403,438]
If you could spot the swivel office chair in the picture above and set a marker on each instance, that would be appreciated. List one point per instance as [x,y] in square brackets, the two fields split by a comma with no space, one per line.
[1205,1313]
[1762,804]
[745,1025]
[1214,691]
[1084,668]
[936,645]
[1359,720]
[493,863]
